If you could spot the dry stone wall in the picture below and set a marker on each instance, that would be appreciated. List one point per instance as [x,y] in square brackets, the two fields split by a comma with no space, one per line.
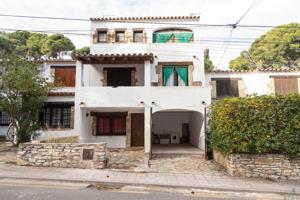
[66,155]
[271,166]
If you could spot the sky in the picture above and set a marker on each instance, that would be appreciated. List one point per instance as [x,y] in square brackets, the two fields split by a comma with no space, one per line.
[265,12]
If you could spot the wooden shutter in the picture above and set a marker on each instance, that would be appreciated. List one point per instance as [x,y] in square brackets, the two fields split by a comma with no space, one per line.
[65,76]
[144,37]
[227,88]
[94,125]
[286,85]
[95,37]
[72,117]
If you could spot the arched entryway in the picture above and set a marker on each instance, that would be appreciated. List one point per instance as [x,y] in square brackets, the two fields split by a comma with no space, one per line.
[177,131]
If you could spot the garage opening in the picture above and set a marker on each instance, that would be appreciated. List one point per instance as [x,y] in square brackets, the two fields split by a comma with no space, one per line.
[174,131]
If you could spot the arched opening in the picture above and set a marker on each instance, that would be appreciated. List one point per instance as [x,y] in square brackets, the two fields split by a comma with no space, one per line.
[177,131]
[173,35]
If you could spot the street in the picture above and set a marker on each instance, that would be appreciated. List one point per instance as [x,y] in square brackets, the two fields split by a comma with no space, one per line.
[13,189]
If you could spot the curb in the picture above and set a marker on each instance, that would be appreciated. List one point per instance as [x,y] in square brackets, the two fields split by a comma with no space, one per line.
[159,185]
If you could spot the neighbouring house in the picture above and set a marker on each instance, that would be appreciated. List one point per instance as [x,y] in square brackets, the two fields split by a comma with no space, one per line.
[57,118]
[229,83]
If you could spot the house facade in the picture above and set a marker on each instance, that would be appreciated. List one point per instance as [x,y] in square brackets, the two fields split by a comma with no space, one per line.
[143,83]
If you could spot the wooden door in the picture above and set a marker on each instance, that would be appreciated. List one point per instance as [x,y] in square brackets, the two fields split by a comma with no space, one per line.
[137,129]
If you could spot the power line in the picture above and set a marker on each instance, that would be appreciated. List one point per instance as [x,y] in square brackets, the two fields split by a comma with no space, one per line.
[141,21]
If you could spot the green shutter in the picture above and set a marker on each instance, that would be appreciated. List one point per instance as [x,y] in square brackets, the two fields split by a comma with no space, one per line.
[183,74]
[183,37]
[162,37]
[167,72]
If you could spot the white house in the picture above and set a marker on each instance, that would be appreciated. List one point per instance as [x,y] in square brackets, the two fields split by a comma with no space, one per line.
[142,83]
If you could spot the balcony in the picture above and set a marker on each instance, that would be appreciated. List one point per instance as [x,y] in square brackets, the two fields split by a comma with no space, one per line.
[133,97]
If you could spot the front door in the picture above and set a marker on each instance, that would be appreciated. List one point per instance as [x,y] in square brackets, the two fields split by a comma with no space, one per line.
[137,129]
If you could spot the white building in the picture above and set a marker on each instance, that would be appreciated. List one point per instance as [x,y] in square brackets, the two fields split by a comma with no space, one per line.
[143,83]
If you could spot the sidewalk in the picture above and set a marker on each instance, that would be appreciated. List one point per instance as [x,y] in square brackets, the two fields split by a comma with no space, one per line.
[202,181]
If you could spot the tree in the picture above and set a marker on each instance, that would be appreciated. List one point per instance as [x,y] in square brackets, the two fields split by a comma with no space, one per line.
[278,48]
[6,45]
[23,91]
[82,51]
[34,45]
[55,44]
[208,64]
[19,40]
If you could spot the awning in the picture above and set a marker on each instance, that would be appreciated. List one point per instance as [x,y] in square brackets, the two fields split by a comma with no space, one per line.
[115,58]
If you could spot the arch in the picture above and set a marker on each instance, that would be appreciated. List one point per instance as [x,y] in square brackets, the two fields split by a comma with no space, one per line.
[186,125]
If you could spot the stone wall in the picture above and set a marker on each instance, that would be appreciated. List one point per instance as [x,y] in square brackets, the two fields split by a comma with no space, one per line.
[271,166]
[67,155]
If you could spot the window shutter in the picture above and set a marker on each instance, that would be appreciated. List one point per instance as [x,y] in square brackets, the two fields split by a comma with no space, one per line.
[144,37]
[112,36]
[94,125]
[95,37]
[72,117]
[286,85]
[128,36]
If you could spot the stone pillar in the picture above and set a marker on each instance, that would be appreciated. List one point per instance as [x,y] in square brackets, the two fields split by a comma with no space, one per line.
[128,130]
[147,129]
[242,88]
[147,73]
[298,85]
[213,89]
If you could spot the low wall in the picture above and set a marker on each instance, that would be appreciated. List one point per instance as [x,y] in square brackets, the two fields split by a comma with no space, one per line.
[67,155]
[272,166]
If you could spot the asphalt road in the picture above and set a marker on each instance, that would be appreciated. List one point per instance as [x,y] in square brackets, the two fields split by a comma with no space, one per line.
[15,189]
[36,193]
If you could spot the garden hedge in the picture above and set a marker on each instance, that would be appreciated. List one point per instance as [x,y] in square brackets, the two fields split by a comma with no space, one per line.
[259,124]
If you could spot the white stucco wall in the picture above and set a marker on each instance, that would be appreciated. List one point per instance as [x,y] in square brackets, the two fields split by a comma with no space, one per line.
[197,130]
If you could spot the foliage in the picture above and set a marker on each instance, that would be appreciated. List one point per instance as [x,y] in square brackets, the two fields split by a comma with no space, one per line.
[55,44]
[208,64]
[82,51]
[23,92]
[259,124]
[34,45]
[277,48]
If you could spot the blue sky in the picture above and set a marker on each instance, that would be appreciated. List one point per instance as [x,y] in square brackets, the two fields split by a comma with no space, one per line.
[266,12]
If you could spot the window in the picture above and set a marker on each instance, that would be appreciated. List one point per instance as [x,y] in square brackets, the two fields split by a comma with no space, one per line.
[111,124]
[4,119]
[175,76]
[120,36]
[137,36]
[227,88]
[119,76]
[102,36]
[65,75]
[173,36]
[56,115]
[286,85]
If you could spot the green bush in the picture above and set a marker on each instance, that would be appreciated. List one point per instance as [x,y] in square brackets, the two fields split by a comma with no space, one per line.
[259,124]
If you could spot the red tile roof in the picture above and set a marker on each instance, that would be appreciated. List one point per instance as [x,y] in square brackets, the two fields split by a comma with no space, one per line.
[61,94]
[257,70]
[195,17]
